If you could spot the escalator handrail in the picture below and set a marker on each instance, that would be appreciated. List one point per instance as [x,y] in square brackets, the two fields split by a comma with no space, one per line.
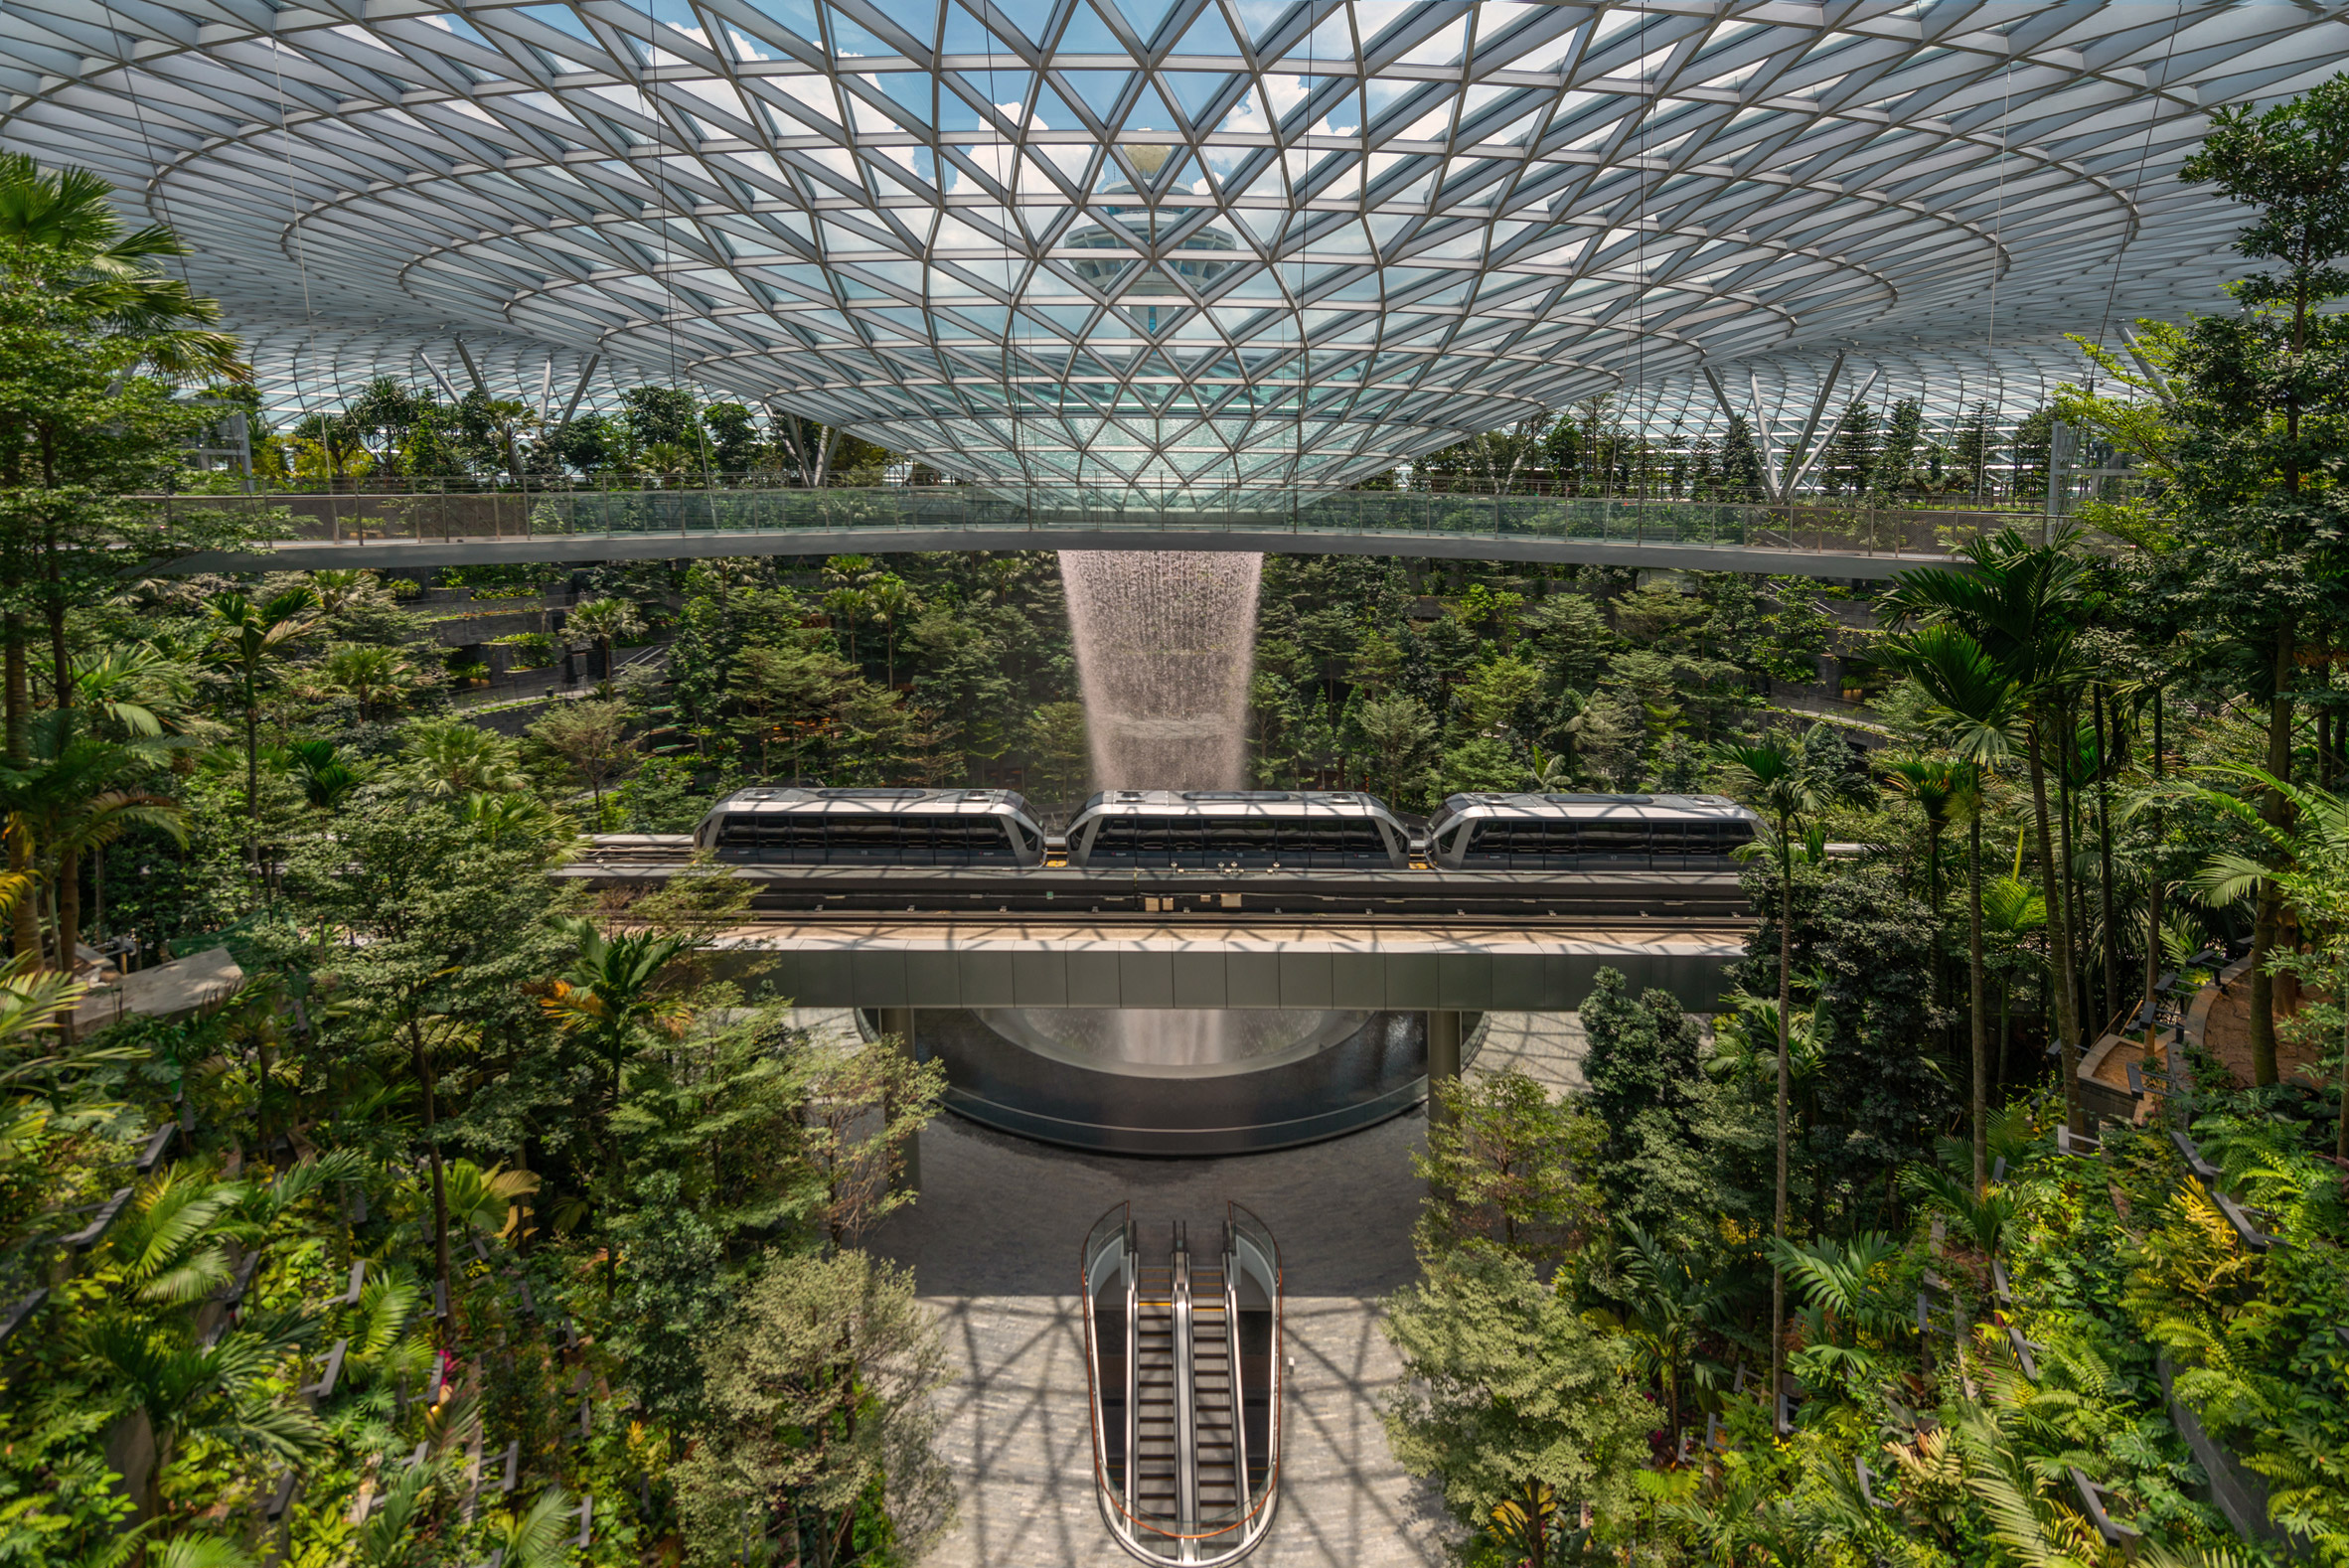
[1094,1242]
[1128,1528]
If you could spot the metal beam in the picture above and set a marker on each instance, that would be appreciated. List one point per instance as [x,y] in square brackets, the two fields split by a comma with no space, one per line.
[472,369]
[1766,435]
[577,392]
[446,385]
[1801,454]
[1811,461]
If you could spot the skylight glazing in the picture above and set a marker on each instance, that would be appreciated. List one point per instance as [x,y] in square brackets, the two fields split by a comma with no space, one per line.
[1116,240]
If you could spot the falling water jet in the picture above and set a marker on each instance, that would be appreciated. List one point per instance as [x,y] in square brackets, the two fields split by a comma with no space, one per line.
[1165,642]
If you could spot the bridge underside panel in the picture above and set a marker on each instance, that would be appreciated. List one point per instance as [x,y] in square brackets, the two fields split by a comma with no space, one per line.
[411,555]
[882,965]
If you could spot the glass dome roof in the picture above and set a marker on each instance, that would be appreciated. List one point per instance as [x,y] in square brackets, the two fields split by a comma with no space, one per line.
[1112,240]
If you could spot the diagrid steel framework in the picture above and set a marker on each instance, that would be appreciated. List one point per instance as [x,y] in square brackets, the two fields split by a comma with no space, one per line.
[1187,241]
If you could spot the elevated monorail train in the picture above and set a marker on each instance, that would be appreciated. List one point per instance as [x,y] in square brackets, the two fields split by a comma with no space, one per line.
[874,827]
[1588,833]
[1203,830]
[1215,830]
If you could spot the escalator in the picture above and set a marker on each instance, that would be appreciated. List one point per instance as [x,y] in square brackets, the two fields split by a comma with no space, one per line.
[1182,1357]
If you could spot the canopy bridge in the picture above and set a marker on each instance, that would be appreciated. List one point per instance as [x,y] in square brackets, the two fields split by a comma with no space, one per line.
[410,529]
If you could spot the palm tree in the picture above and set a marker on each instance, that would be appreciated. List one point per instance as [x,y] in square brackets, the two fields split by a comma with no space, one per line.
[324,772]
[891,601]
[2023,606]
[449,757]
[607,620]
[2012,909]
[616,991]
[62,232]
[1672,1305]
[1980,709]
[375,677]
[249,640]
[2307,862]
[849,607]
[73,803]
[219,1392]
[1780,785]
[76,275]
[338,589]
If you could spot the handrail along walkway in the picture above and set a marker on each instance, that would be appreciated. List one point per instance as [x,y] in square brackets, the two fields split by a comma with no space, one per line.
[398,530]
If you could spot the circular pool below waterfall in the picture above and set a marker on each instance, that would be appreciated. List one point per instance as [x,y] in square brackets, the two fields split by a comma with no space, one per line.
[1175,1082]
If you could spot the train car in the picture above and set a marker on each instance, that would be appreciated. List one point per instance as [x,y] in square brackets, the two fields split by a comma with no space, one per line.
[1205,830]
[873,828]
[1588,833]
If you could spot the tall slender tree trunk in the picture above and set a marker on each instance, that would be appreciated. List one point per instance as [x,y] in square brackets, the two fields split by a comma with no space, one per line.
[1980,1025]
[69,863]
[2075,898]
[2270,921]
[2105,752]
[2058,933]
[253,778]
[1786,998]
[16,681]
[424,1065]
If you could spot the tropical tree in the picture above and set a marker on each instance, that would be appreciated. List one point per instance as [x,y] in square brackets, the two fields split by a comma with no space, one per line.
[71,804]
[607,621]
[1980,709]
[223,1394]
[377,678]
[618,992]
[592,739]
[94,339]
[249,640]
[1673,1304]
[818,1388]
[2307,861]
[1779,783]
[449,757]
[1507,1387]
[847,606]
[892,603]
[2023,606]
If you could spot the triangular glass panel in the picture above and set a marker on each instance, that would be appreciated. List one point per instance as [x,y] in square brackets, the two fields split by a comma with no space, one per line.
[1100,90]
[1147,112]
[911,92]
[1051,113]
[851,37]
[1196,92]
[961,33]
[1145,17]
[1210,35]
[1087,34]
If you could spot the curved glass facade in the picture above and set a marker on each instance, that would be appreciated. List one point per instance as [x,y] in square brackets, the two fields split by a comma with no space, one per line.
[1108,241]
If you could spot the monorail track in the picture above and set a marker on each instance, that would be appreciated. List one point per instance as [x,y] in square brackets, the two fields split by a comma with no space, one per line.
[1214,899]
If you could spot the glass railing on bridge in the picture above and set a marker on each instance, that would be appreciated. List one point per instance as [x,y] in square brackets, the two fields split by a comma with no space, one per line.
[766,517]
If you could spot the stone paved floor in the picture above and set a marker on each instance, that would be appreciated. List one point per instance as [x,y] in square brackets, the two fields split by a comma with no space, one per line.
[993,1242]
[1546,1047]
